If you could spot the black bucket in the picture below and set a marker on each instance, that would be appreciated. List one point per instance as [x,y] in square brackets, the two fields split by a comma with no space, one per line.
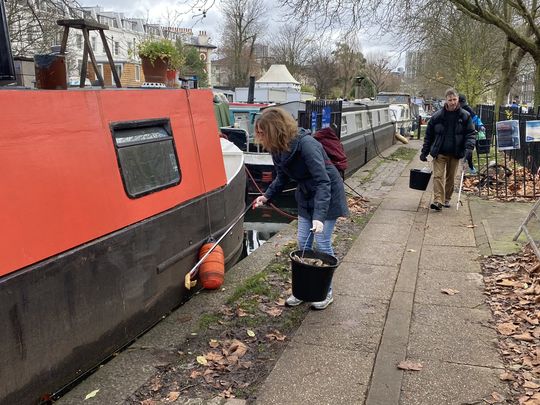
[419,179]
[482,146]
[309,282]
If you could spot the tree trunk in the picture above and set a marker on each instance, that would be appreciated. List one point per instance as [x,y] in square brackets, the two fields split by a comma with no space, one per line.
[512,58]
[537,83]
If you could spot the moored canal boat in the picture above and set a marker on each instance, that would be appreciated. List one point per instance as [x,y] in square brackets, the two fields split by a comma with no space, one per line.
[107,197]
[366,130]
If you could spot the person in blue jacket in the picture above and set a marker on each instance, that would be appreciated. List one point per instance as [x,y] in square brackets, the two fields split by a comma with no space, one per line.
[320,193]
[478,126]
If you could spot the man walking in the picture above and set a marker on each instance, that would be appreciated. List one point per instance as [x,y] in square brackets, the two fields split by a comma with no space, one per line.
[450,136]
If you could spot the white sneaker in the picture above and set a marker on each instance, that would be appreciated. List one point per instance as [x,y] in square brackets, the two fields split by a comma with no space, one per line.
[323,304]
[292,301]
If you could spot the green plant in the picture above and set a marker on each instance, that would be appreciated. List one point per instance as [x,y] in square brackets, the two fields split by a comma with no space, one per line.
[163,49]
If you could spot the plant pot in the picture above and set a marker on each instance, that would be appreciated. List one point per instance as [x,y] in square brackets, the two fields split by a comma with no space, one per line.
[155,72]
[51,72]
[171,78]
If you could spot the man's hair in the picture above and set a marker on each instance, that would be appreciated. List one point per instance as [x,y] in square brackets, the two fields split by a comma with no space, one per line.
[279,128]
[451,92]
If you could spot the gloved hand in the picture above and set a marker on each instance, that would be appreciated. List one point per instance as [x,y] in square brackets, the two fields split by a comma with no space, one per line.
[468,154]
[259,201]
[316,226]
[423,157]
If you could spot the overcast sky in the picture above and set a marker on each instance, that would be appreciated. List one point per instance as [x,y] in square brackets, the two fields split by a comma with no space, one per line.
[156,10]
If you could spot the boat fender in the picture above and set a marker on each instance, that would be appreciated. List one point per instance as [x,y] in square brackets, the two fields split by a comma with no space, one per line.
[212,269]
[402,139]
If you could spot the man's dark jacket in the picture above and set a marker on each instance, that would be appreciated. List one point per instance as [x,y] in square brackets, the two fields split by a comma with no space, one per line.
[465,134]
[320,193]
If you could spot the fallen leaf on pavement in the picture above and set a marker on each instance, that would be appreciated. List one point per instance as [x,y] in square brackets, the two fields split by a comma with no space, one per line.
[531,385]
[276,335]
[524,336]
[173,396]
[506,376]
[91,394]
[496,397]
[410,365]
[274,311]
[449,291]
[506,328]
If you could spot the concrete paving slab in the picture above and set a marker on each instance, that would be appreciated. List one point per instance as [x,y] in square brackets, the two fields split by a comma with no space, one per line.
[449,235]
[387,232]
[385,386]
[446,383]
[402,204]
[447,218]
[469,285]
[450,258]
[500,228]
[458,335]
[134,366]
[345,325]
[317,375]
[374,252]
[392,217]
[365,280]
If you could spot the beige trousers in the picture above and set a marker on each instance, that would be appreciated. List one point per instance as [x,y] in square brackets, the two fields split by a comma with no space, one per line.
[444,173]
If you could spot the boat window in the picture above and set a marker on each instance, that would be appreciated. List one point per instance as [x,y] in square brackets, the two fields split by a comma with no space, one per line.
[146,156]
[358,118]
[344,125]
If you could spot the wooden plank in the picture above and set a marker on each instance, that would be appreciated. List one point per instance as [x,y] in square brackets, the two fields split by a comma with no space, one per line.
[92,57]
[110,58]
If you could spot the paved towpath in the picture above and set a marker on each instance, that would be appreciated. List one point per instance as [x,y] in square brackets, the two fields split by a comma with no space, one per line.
[389,308]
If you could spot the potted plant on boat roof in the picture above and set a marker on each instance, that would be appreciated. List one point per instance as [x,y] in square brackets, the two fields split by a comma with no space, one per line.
[158,56]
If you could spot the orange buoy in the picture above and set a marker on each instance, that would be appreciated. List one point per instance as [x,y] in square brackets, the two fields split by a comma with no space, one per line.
[212,269]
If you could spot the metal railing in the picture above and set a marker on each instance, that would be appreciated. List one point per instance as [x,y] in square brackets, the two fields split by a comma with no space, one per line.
[509,173]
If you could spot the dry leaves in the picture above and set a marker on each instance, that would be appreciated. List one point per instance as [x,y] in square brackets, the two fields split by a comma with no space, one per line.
[358,205]
[513,291]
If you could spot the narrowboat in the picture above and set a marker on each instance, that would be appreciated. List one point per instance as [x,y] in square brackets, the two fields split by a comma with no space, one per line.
[366,129]
[401,112]
[107,196]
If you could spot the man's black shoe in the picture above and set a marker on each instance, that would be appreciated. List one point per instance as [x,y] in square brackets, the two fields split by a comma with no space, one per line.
[437,206]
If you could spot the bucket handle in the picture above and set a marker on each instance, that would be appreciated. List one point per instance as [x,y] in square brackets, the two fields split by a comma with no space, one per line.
[307,240]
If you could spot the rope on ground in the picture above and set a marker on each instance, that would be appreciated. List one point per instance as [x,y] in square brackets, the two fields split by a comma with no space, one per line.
[356,192]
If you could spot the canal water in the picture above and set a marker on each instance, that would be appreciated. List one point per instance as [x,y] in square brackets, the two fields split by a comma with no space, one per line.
[264,222]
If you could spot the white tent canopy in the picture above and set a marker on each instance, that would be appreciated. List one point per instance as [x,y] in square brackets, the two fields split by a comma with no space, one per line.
[278,76]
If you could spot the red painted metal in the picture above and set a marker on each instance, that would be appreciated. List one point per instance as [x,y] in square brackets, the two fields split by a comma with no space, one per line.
[61,186]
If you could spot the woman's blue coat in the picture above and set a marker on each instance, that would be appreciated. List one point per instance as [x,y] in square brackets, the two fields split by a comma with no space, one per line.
[320,193]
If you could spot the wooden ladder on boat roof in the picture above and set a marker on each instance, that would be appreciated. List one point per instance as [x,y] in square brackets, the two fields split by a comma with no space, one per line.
[86,26]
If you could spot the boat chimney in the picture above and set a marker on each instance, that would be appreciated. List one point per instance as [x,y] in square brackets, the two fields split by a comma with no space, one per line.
[7,69]
[251,89]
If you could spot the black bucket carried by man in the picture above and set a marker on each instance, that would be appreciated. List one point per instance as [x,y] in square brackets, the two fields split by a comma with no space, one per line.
[419,178]
[312,274]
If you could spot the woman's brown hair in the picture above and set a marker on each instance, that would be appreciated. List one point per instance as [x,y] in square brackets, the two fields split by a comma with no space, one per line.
[278,128]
